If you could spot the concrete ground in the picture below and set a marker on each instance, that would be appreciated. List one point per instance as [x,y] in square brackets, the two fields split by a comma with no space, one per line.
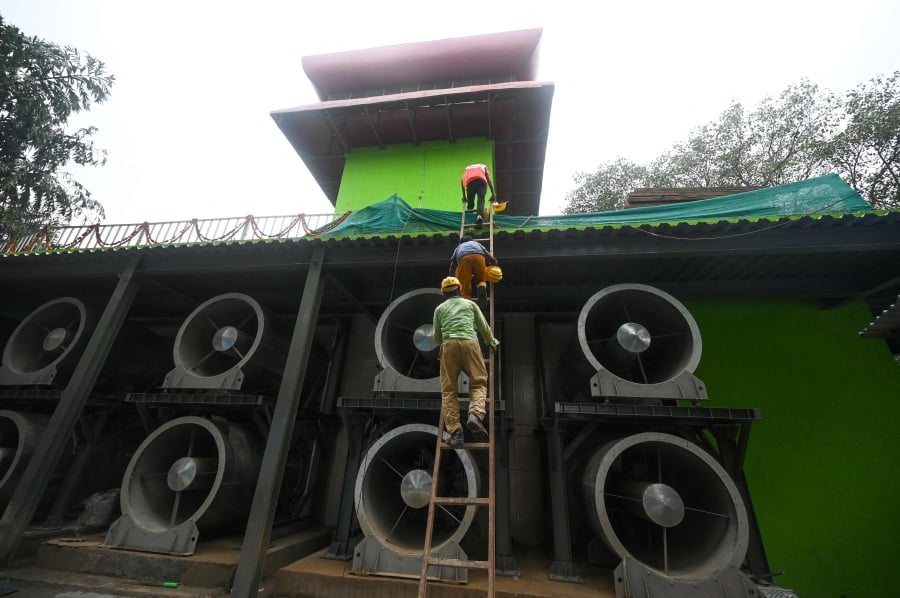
[84,568]
[32,591]
[55,585]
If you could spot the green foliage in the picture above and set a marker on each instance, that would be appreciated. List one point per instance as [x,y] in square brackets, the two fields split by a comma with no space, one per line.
[866,151]
[802,133]
[41,86]
[604,189]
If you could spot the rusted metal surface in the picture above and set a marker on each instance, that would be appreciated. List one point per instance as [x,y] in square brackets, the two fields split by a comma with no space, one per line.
[656,196]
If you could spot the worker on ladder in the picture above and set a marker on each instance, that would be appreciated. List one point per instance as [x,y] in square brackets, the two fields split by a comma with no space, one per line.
[469,260]
[476,179]
[457,322]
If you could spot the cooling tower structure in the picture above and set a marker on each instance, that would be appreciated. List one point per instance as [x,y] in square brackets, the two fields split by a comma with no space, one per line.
[393,487]
[46,345]
[642,343]
[223,341]
[405,346]
[190,475]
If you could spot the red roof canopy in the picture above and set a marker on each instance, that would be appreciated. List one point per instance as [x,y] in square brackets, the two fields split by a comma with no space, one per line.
[510,53]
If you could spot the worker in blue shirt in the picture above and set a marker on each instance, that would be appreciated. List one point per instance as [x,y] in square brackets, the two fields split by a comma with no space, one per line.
[469,260]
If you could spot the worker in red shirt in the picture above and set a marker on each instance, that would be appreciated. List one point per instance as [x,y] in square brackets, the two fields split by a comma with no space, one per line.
[475,181]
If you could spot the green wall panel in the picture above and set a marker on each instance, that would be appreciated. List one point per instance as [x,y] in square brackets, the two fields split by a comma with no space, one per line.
[822,462]
[426,176]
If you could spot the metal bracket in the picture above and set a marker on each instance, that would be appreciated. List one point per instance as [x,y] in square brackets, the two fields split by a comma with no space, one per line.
[389,381]
[685,386]
[634,580]
[564,571]
[127,534]
[373,558]
[180,377]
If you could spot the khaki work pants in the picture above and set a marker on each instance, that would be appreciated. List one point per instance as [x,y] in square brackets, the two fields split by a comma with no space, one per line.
[461,355]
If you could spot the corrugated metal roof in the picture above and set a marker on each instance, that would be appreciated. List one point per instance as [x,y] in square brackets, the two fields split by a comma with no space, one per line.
[829,259]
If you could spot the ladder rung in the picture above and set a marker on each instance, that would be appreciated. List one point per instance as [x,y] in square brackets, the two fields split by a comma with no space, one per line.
[461,500]
[467,445]
[433,560]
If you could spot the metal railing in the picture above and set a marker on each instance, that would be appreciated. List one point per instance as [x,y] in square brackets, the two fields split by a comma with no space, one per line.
[147,234]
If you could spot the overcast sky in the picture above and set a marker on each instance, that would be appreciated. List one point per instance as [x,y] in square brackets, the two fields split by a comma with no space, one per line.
[188,130]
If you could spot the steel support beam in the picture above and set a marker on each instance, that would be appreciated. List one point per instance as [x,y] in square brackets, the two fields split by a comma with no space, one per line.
[563,566]
[75,471]
[374,127]
[337,357]
[348,294]
[733,449]
[411,117]
[335,131]
[341,548]
[20,509]
[449,121]
[505,561]
[262,512]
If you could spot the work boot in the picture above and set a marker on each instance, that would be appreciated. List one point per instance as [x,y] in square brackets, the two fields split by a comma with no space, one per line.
[470,205]
[482,296]
[479,220]
[456,439]
[477,428]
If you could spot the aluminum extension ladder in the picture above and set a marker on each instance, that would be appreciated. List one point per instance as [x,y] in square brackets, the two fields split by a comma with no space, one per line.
[489,501]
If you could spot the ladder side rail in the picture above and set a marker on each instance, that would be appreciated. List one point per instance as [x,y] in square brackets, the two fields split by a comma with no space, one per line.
[492,504]
[491,563]
[429,525]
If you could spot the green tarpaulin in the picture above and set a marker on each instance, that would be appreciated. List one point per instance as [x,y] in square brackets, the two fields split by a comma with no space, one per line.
[819,195]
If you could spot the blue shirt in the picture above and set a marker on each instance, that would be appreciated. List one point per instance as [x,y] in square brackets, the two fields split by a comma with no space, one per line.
[466,248]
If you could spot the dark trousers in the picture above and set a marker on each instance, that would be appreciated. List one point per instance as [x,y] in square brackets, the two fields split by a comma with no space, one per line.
[477,187]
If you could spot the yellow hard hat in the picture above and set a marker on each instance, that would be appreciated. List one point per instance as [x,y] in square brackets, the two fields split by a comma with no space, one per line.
[493,274]
[450,281]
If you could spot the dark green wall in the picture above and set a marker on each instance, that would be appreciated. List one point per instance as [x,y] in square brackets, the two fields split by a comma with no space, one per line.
[822,462]
[426,176]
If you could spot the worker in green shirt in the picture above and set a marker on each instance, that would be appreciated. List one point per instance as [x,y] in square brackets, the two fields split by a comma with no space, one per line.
[457,322]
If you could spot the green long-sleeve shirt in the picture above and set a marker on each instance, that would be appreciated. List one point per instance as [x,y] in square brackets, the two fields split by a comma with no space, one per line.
[461,318]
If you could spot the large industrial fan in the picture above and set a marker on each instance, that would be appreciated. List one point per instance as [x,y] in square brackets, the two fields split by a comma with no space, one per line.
[19,436]
[404,344]
[47,344]
[671,513]
[393,487]
[224,340]
[641,343]
[190,475]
